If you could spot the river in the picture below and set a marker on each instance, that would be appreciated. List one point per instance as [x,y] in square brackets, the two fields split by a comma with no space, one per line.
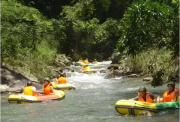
[93,101]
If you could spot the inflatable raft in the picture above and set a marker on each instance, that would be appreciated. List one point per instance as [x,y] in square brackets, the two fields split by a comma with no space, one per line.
[79,64]
[83,64]
[132,107]
[63,87]
[89,72]
[20,98]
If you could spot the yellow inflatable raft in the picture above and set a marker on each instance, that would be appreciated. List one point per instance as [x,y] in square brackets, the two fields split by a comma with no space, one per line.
[132,107]
[89,72]
[63,87]
[20,98]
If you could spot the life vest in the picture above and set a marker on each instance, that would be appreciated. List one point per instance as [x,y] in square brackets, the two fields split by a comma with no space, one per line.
[86,69]
[168,97]
[86,61]
[80,61]
[95,62]
[47,89]
[62,80]
[28,91]
[148,98]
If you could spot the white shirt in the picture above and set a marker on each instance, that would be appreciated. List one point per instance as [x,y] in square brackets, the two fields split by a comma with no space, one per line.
[34,88]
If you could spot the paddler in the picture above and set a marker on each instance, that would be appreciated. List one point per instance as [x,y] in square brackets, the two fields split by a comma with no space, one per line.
[56,80]
[30,90]
[86,61]
[62,79]
[80,60]
[47,87]
[172,94]
[95,61]
[85,68]
[145,96]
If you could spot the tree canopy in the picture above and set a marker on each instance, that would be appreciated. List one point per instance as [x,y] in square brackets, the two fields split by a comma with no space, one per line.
[37,30]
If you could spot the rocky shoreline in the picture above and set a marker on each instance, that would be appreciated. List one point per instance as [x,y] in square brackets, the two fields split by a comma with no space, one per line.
[13,82]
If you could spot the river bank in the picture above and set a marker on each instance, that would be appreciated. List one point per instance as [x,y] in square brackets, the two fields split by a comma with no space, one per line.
[14,82]
[158,64]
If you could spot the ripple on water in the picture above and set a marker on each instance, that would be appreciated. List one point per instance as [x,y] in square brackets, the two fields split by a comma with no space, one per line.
[93,101]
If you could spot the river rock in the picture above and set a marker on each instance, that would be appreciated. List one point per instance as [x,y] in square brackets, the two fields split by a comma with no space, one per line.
[114,67]
[118,73]
[132,76]
[12,81]
[3,88]
[109,76]
[62,61]
[115,57]
[103,71]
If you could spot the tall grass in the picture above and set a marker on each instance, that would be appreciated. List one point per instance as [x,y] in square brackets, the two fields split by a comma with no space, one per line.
[151,61]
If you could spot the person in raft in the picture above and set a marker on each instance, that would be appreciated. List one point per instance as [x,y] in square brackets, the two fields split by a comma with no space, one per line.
[145,96]
[172,94]
[30,90]
[47,87]
[56,80]
[80,60]
[62,79]
[86,61]
[85,68]
[95,61]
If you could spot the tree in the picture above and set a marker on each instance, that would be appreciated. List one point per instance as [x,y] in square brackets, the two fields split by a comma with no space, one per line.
[146,25]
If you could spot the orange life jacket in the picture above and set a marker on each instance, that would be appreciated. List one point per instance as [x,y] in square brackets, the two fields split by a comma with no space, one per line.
[148,98]
[86,68]
[62,80]
[168,97]
[80,61]
[95,62]
[47,89]
[86,61]
[28,91]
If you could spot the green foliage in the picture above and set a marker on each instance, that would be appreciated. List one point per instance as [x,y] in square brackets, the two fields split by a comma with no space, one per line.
[84,9]
[27,38]
[146,25]
[89,37]
[85,36]
[150,61]
[153,62]
[49,8]
[90,29]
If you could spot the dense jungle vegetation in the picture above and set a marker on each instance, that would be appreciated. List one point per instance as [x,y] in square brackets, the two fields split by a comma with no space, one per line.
[34,33]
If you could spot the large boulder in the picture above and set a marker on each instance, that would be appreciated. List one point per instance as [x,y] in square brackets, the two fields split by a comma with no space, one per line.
[115,57]
[12,81]
[62,60]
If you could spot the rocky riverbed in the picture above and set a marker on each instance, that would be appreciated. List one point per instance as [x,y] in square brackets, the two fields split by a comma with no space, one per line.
[14,82]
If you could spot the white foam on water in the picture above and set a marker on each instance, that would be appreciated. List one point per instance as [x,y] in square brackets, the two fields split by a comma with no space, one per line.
[87,81]
[149,114]
[106,62]
[117,78]
[132,89]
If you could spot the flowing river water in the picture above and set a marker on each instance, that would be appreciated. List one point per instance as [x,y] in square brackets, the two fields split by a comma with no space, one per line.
[93,101]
